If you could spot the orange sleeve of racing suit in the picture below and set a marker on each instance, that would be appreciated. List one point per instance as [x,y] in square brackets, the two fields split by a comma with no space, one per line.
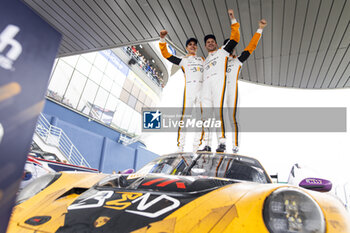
[253,43]
[164,50]
[234,37]
[251,46]
[167,55]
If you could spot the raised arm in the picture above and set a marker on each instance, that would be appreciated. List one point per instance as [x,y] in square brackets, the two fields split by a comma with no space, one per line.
[253,42]
[164,50]
[235,35]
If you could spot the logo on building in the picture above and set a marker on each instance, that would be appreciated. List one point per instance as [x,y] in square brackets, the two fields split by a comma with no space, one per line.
[14,47]
[152,119]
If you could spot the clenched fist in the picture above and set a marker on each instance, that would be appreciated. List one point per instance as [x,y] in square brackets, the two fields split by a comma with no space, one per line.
[262,23]
[231,14]
[163,33]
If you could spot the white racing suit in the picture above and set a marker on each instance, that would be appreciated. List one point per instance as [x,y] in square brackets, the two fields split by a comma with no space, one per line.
[214,85]
[233,70]
[192,67]
[234,66]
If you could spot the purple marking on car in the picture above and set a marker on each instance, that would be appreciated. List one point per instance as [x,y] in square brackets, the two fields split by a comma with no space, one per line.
[316,184]
[128,171]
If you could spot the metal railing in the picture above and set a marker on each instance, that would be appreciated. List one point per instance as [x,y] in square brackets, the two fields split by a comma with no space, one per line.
[123,139]
[55,136]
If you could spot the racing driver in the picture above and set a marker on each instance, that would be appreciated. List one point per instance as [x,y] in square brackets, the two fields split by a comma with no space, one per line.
[214,82]
[192,67]
[234,66]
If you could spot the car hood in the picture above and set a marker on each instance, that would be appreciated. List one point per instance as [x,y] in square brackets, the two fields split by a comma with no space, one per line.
[122,203]
[155,203]
[136,202]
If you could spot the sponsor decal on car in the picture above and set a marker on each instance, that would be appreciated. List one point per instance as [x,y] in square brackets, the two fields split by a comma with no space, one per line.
[145,205]
[148,205]
[100,221]
[37,220]
[99,199]
[123,202]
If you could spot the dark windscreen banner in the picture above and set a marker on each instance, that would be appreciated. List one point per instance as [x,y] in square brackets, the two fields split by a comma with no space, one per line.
[28,47]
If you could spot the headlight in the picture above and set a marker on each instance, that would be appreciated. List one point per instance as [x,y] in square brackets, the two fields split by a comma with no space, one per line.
[36,186]
[290,210]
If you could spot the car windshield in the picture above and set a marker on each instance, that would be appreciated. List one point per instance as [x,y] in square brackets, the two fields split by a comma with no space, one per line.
[208,164]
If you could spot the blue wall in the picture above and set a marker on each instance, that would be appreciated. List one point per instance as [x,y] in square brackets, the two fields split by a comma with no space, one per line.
[96,142]
[117,155]
[142,157]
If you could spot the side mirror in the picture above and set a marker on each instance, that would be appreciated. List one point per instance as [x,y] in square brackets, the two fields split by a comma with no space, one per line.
[316,184]
[128,171]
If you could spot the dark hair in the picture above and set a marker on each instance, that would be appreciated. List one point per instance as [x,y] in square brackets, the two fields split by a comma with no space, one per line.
[190,40]
[209,36]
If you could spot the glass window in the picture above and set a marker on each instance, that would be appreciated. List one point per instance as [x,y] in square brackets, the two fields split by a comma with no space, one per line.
[116,89]
[124,96]
[109,109]
[95,86]
[112,103]
[100,61]
[74,89]
[119,78]
[101,97]
[132,101]
[100,102]
[90,56]
[139,106]
[132,76]
[71,60]
[106,83]
[111,70]
[142,97]
[53,67]
[95,75]
[126,118]
[60,80]
[138,123]
[83,66]
[119,114]
[135,122]
[135,90]
[131,128]
[87,97]
[148,101]
[128,85]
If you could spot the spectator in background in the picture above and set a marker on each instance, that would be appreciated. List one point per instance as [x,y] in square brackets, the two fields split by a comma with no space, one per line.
[140,61]
[148,67]
[144,64]
[133,49]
